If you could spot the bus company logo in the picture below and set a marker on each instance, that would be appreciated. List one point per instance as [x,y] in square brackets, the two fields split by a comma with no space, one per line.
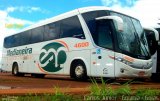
[53,56]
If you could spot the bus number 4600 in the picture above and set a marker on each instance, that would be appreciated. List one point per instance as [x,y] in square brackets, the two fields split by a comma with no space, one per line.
[82,44]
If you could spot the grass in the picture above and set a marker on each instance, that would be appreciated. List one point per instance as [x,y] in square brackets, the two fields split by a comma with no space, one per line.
[48,97]
[58,96]
[124,92]
[106,90]
[101,91]
[147,94]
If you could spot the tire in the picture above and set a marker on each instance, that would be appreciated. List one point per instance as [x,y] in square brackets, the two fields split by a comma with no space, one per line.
[15,69]
[79,71]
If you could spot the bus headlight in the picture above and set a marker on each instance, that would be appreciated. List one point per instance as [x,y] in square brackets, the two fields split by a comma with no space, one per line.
[145,65]
[123,61]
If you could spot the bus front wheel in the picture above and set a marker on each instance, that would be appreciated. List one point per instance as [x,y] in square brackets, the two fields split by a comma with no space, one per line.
[79,71]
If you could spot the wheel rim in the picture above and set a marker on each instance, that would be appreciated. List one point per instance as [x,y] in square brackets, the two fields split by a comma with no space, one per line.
[15,70]
[79,71]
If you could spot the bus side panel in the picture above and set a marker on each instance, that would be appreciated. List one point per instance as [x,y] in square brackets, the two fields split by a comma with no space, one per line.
[32,63]
[6,64]
[42,60]
[7,61]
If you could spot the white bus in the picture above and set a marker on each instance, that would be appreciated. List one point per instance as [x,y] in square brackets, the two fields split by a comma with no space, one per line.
[158,53]
[152,35]
[153,40]
[90,41]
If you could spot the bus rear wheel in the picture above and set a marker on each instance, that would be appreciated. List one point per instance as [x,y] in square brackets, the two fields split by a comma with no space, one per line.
[79,71]
[15,70]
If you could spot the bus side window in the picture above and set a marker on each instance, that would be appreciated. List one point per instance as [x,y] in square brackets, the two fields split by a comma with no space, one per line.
[51,31]
[25,37]
[12,41]
[104,37]
[71,27]
[17,38]
[8,42]
[37,34]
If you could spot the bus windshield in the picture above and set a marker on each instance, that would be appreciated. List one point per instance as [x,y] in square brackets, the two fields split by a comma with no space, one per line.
[132,41]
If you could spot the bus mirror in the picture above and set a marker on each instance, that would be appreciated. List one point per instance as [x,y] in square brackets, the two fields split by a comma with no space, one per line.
[118,20]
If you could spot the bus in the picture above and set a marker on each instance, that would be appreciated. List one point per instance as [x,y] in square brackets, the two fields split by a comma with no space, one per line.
[158,52]
[153,42]
[85,42]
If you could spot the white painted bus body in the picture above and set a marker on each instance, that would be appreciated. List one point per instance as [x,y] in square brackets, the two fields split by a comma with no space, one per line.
[99,62]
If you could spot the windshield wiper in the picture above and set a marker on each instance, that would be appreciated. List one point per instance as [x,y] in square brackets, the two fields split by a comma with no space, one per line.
[144,43]
[139,40]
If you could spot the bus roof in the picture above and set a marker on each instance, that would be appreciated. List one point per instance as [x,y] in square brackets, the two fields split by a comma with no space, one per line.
[66,15]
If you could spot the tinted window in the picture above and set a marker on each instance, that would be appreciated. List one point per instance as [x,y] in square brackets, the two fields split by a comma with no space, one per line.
[103,37]
[51,31]
[25,37]
[37,34]
[12,41]
[8,42]
[71,27]
[100,29]
[16,40]
[89,17]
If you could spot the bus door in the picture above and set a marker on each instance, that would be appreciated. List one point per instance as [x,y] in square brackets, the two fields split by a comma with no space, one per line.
[102,61]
